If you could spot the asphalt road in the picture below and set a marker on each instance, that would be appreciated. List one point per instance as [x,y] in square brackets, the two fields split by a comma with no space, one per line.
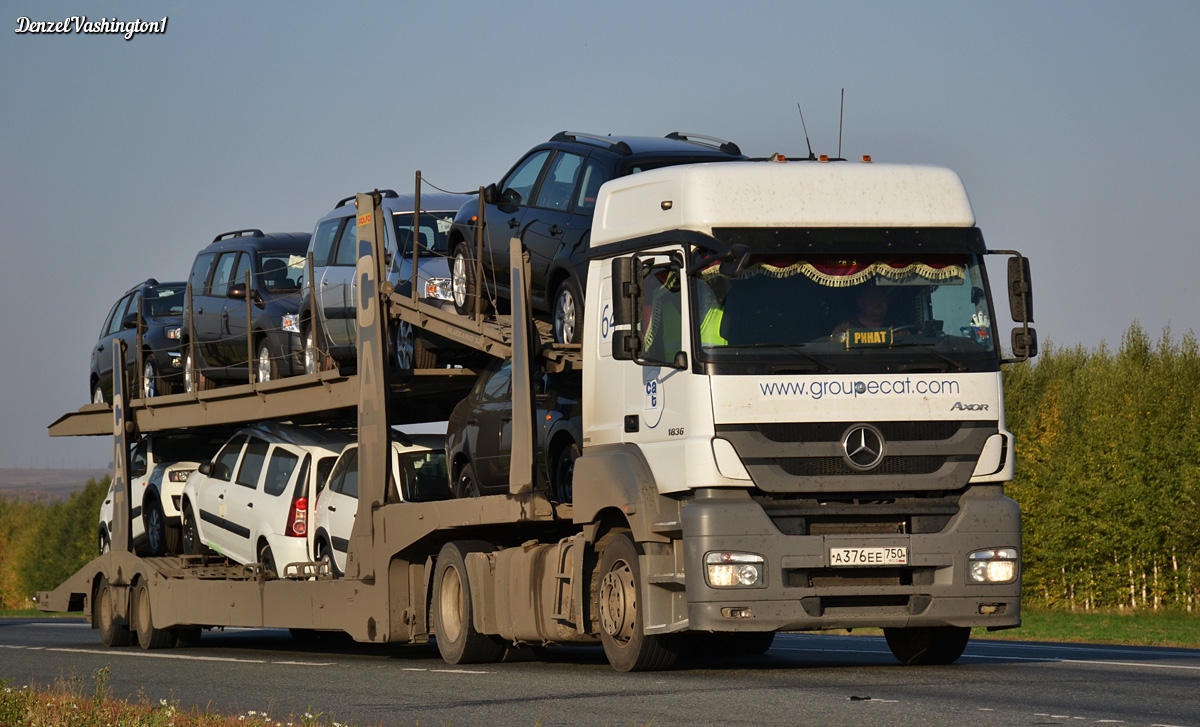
[804,679]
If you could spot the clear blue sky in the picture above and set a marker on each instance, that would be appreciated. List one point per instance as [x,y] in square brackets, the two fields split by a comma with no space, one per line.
[1073,124]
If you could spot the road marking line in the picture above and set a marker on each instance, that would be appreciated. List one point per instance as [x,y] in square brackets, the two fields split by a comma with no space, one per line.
[181,657]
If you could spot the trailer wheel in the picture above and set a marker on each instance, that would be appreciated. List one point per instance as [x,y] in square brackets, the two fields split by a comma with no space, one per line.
[626,645]
[927,645]
[187,636]
[457,640]
[111,633]
[148,637]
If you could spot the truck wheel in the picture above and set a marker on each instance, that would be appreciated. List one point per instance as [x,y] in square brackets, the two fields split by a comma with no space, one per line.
[148,636]
[927,645]
[626,645]
[155,523]
[564,472]
[457,640]
[187,636]
[462,279]
[111,633]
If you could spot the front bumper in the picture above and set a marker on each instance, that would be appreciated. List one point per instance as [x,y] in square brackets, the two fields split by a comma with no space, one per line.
[800,590]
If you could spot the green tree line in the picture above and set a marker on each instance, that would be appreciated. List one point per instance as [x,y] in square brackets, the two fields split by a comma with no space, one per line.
[1108,473]
[42,544]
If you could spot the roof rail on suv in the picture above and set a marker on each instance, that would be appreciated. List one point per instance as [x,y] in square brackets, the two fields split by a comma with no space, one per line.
[618,146]
[713,142]
[248,232]
[385,193]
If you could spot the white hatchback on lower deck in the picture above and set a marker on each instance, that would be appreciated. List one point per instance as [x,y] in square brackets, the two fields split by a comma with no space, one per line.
[251,502]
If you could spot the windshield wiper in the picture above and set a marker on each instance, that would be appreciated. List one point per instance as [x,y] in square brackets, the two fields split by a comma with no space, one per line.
[928,349]
[776,368]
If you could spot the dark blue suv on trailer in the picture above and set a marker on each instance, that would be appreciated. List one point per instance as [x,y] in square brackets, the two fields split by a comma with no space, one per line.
[232,330]
[547,200]
[160,306]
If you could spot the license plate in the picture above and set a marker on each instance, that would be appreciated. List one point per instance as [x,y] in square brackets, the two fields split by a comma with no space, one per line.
[868,556]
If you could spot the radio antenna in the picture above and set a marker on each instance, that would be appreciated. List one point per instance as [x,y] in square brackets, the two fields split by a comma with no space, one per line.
[811,156]
[841,115]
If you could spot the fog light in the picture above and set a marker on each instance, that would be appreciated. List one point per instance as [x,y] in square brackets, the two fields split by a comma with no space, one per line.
[992,566]
[733,570]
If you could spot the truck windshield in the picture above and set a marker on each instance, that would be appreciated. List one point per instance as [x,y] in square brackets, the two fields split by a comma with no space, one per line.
[845,310]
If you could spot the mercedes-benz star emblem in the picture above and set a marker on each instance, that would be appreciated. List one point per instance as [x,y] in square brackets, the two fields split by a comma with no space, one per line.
[863,447]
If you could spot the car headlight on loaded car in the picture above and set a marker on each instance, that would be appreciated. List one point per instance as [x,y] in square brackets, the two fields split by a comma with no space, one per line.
[733,570]
[173,333]
[291,322]
[439,288]
[178,475]
[997,565]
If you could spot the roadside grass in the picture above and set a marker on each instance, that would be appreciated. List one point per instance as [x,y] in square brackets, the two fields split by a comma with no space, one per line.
[1131,628]
[1124,628]
[72,702]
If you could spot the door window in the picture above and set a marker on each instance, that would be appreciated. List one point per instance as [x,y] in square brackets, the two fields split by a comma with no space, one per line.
[497,384]
[252,463]
[518,186]
[223,274]
[323,240]
[347,246]
[593,176]
[279,471]
[222,468]
[556,189]
[198,278]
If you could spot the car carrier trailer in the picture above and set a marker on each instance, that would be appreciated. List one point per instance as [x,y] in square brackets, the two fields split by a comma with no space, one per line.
[735,480]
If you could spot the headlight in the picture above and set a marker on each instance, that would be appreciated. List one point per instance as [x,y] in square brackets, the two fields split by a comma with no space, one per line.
[998,565]
[733,570]
[173,333]
[291,322]
[439,288]
[178,475]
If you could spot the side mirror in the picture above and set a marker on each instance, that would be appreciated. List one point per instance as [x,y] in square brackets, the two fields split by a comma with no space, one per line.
[739,258]
[1024,343]
[238,292]
[205,468]
[129,321]
[1020,289]
[626,296]
[490,194]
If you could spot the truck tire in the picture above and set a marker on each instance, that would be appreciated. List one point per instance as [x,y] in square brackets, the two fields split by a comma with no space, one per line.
[618,595]
[927,645]
[111,633]
[148,637]
[457,640]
